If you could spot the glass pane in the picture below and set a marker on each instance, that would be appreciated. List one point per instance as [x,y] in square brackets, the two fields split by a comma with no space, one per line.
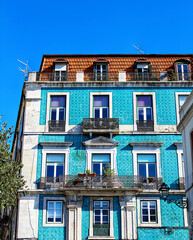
[152,170]
[53,114]
[179,68]
[59,170]
[144,204]
[152,204]
[58,205]
[97,204]
[149,158]
[96,168]
[97,219]
[145,219]
[105,113]
[97,113]
[58,101]
[61,114]
[101,158]
[50,219]
[55,158]
[140,114]
[50,171]
[152,211]
[50,205]
[97,212]
[104,167]
[142,169]
[105,212]
[105,219]
[152,218]
[144,101]
[145,211]
[105,204]
[149,114]
[182,99]
[50,212]
[185,68]
[101,101]
[58,219]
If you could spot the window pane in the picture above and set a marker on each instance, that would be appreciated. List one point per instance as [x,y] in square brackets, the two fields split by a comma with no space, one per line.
[152,170]
[96,168]
[105,204]
[97,212]
[144,101]
[152,218]
[182,99]
[97,219]
[185,68]
[58,101]
[144,204]
[50,213]
[50,171]
[59,170]
[105,219]
[54,158]
[140,114]
[100,101]
[105,112]
[142,169]
[145,211]
[97,113]
[50,205]
[53,114]
[149,114]
[152,204]
[149,158]
[104,167]
[97,204]
[101,158]
[50,219]
[105,212]
[58,205]
[179,68]
[61,114]
[145,219]
[58,219]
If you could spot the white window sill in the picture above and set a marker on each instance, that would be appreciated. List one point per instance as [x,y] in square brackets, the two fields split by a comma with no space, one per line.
[149,225]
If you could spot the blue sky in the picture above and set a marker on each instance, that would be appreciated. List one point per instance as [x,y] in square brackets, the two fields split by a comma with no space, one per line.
[30,29]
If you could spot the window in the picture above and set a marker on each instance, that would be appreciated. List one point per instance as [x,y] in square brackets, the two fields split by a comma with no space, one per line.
[182,70]
[101,71]
[58,108]
[181,100]
[148,212]
[144,108]
[60,72]
[101,106]
[100,162]
[147,165]
[54,165]
[142,72]
[54,212]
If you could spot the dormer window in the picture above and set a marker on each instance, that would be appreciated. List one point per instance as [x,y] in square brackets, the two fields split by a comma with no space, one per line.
[182,69]
[60,70]
[142,69]
[101,70]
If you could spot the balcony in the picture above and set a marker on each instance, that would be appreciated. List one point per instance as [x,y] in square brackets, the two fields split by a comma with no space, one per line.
[54,76]
[145,125]
[56,126]
[99,182]
[153,76]
[183,76]
[100,125]
[110,76]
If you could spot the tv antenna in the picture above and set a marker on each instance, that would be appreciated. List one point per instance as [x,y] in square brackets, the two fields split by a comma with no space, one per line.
[138,48]
[25,71]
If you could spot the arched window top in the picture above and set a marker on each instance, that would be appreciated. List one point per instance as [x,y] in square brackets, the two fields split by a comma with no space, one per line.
[182,61]
[141,62]
[101,61]
[60,61]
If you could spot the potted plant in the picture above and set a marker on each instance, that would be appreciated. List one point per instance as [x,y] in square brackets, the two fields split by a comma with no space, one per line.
[89,174]
[81,174]
[109,180]
[78,180]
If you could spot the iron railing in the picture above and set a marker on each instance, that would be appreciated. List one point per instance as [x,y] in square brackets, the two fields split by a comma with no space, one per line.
[110,76]
[99,182]
[90,124]
[101,230]
[56,126]
[56,76]
[145,125]
[172,76]
[153,76]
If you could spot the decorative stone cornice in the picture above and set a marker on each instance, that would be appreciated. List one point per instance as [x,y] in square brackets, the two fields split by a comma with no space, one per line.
[101,141]
[56,144]
[146,144]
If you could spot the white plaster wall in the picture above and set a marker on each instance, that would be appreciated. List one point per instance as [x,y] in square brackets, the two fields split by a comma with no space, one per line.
[29,160]
[28,217]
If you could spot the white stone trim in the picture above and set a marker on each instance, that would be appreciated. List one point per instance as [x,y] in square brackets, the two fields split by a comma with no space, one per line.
[80,76]
[177,94]
[157,199]
[45,151]
[122,76]
[180,166]
[144,150]
[45,224]
[49,94]
[92,94]
[135,107]
[185,214]
[101,150]
[110,199]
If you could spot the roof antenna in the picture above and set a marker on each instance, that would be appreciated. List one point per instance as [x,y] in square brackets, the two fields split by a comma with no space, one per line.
[138,48]
[26,70]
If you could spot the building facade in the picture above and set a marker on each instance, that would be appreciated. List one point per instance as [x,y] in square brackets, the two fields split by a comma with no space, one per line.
[98,138]
[186,127]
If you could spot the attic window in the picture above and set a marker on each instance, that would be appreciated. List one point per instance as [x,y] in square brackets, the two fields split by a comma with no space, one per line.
[142,69]
[182,68]
[60,70]
[101,70]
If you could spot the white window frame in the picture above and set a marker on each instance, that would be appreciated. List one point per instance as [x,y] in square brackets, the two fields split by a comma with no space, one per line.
[60,68]
[54,203]
[101,72]
[47,150]
[101,163]
[111,229]
[49,95]
[182,73]
[135,94]
[92,94]
[55,165]
[148,209]
[55,224]
[101,212]
[147,169]
[146,150]
[177,94]
[139,214]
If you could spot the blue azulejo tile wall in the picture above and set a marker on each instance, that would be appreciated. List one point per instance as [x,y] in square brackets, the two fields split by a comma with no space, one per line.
[85,217]
[49,233]
[79,101]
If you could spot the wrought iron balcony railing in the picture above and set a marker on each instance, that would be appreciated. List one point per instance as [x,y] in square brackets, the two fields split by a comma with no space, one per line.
[110,76]
[145,125]
[153,76]
[101,230]
[183,76]
[56,126]
[56,76]
[100,124]
[99,182]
